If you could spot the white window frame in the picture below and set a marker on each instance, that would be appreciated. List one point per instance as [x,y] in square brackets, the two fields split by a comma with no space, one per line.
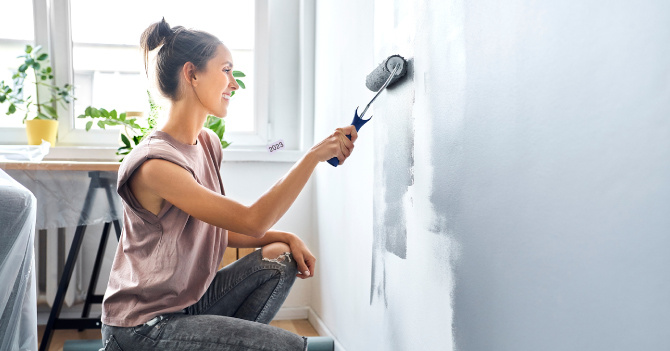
[284,65]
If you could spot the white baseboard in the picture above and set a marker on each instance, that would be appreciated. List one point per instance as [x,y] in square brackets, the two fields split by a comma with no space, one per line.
[286,313]
[322,329]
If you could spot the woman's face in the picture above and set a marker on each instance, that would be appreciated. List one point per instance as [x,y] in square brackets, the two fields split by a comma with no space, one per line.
[216,82]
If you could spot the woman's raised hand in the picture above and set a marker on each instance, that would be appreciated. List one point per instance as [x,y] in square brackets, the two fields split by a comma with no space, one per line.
[336,145]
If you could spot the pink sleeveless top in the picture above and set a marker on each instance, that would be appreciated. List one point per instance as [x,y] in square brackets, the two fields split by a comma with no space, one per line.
[164,262]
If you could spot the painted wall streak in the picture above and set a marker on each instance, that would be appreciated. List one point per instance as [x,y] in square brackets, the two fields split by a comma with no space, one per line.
[441,49]
[394,107]
[398,100]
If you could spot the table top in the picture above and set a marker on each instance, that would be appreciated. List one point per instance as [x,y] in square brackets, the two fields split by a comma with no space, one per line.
[62,187]
[61,166]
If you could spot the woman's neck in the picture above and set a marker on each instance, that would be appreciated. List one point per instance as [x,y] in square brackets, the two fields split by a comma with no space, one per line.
[185,122]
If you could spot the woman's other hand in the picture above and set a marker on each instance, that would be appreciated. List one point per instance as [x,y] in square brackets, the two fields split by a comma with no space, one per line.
[302,256]
[336,145]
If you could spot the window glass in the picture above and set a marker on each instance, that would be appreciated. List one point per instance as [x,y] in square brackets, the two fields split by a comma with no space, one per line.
[16,30]
[108,65]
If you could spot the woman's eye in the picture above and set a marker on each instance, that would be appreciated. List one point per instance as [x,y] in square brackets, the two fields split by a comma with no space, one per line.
[227,70]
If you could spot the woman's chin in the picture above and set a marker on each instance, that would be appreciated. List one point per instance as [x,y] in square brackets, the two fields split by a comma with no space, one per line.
[220,114]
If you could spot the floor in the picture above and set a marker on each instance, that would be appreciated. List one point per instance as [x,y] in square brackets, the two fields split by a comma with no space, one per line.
[298,326]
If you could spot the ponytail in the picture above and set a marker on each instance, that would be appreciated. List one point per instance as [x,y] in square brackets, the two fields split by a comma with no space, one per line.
[153,37]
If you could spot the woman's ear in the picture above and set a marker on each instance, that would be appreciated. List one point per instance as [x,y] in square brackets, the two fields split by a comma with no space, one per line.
[188,73]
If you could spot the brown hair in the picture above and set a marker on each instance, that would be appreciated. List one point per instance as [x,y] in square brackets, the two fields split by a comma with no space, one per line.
[179,45]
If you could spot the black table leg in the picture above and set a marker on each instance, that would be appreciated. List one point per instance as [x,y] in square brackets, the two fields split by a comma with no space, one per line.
[81,323]
[53,322]
[91,297]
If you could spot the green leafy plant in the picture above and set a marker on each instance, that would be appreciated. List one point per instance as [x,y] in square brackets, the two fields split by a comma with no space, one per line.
[134,133]
[132,129]
[108,118]
[238,74]
[38,62]
[218,126]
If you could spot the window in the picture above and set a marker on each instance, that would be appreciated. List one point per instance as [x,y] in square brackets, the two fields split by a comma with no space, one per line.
[94,45]
[109,68]
[16,31]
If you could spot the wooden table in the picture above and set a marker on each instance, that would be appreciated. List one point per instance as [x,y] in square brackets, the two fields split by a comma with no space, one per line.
[61,166]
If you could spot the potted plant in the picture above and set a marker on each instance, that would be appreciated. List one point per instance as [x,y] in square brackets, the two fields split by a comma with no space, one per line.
[44,121]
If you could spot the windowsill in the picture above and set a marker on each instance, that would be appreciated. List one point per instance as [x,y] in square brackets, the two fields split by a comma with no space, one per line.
[96,153]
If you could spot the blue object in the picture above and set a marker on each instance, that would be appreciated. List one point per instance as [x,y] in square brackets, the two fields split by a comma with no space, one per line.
[320,343]
[358,123]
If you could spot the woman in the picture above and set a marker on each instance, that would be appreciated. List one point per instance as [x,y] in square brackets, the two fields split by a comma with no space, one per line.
[164,291]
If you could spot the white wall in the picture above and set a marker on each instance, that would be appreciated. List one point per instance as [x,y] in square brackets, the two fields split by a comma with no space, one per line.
[559,138]
[247,181]
[340,296]
[534,200]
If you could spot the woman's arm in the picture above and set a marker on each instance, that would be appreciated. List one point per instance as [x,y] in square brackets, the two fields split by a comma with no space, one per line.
[170,182]
[301,254]
[245,241]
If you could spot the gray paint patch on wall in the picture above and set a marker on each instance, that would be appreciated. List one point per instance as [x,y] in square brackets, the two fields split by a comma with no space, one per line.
[395,172]
[398,164]
[444,84]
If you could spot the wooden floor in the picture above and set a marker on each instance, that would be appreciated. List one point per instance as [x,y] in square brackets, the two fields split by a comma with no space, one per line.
[297,326]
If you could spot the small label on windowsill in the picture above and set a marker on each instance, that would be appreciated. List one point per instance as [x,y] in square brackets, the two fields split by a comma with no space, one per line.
[276,146]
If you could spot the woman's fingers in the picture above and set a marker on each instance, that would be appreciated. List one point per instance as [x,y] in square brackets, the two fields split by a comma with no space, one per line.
[303,269]
[311,264]
[346,145]
[337,145]
[304,259]
[343,144]
[351,130]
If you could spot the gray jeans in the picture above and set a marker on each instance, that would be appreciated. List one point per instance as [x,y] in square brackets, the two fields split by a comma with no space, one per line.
[232,315]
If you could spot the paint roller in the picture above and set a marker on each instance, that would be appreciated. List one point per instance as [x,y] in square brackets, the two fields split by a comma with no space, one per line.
[386,74]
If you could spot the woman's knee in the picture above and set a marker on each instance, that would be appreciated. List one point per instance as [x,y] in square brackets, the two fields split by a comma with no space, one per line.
[280,253]
[276,251]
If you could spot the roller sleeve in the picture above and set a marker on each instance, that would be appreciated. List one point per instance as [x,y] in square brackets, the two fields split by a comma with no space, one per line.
[376,79]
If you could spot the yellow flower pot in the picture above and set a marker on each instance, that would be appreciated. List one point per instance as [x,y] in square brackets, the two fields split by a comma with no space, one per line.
[38,129]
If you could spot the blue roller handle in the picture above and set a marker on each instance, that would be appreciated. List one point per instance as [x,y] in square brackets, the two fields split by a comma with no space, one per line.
[358,123]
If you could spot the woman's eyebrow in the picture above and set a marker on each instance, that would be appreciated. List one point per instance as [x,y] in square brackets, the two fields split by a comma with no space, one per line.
[228,63]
